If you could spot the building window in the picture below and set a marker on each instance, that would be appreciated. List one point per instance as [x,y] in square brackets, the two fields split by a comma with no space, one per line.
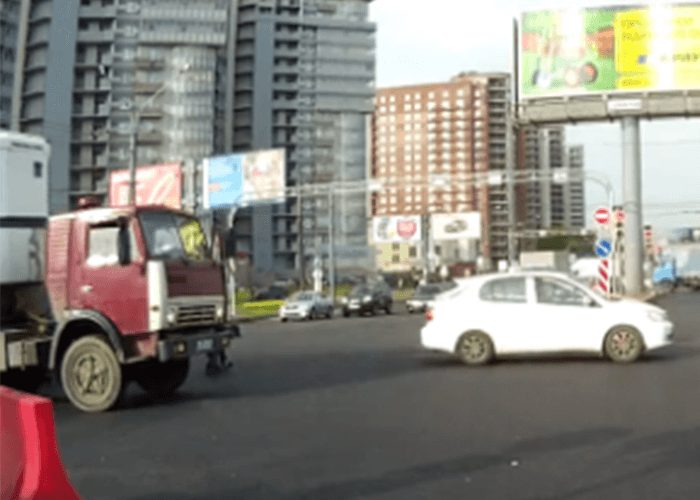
[413,252]
[395,259]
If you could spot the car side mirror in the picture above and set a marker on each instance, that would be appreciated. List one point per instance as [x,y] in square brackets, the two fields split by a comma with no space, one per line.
[124,244]
[589,302]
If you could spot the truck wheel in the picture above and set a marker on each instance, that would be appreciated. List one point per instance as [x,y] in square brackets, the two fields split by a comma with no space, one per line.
[162,379]
[91,375]
[28,380]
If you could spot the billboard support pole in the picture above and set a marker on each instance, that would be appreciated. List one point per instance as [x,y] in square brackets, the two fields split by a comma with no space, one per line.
[632,196]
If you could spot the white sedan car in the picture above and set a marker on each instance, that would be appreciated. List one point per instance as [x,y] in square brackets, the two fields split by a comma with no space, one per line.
[540,313]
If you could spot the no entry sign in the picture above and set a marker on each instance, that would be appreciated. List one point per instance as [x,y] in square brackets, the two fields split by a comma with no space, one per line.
[602,215]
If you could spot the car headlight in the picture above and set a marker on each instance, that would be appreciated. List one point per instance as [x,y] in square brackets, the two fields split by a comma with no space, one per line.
[657,316]
[367,298]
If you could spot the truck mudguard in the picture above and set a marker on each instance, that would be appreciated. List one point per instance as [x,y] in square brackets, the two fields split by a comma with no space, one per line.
[80,315]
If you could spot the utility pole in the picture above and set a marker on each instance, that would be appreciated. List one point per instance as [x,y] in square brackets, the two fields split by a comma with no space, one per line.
[427,246]
[133,155]
[331,244]
[632,196]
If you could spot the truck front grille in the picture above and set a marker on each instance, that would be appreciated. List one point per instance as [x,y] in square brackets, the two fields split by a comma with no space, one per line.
[196,315]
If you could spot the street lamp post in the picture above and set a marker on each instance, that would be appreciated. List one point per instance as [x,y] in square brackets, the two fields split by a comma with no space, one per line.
[134,131]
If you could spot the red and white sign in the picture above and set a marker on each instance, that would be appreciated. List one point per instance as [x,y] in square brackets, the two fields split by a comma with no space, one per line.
[397,229]
[602,215]
[155,185]
[619,216]
[604,275]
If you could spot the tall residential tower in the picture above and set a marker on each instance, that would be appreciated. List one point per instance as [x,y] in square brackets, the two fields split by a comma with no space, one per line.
[304,81]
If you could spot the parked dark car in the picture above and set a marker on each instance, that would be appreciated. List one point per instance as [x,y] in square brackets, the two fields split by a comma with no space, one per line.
[368,299]
[272,293]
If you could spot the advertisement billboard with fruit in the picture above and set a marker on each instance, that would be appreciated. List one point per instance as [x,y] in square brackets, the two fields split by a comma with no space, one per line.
[397,229]
[609,50]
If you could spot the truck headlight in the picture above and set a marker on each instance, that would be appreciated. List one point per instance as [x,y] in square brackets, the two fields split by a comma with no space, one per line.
[344,300]
[219,312]
[171,315]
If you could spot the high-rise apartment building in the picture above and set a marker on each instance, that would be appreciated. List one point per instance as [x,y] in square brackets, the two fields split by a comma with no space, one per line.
[430,144]
[208,76]
[90,63]
[13,21]
[555,200]
[304,81]
[576,199]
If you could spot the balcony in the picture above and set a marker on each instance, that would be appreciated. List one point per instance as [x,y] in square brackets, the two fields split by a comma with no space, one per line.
[95,36]
[95,12]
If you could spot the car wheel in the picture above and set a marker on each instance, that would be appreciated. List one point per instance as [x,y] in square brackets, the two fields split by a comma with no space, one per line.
[283,320]
[346,314]
[312,315]
[329,314]
[475,349]
[387,309]
[410,311]
[624,344]
[91,375]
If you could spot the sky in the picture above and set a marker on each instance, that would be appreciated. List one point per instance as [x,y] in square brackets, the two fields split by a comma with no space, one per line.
[421,41]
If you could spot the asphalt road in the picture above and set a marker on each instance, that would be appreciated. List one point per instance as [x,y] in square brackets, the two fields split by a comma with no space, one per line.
[351,408]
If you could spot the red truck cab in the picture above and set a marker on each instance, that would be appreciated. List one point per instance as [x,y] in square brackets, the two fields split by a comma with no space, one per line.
[134,293]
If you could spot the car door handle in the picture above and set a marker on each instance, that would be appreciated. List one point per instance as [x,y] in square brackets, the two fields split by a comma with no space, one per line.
[86,288]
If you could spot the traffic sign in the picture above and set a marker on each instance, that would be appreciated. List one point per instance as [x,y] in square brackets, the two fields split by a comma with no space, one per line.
[602,215]
[619,216]
[603,248]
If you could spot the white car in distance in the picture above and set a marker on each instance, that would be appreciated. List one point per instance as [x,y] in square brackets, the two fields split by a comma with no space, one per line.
[530,313]
[306,305]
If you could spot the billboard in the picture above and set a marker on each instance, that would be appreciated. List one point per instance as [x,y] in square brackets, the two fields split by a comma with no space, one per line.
[578,52]
[155,185]
[244,178]
[396,229]
[457,226]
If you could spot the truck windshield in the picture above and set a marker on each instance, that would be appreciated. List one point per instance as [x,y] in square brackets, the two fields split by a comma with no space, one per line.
[173,236]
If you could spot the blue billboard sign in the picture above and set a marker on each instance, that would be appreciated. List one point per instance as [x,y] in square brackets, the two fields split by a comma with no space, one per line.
[246,178]
[223,181]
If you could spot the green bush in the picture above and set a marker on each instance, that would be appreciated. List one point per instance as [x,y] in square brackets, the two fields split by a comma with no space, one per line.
[260,308]
[243,295]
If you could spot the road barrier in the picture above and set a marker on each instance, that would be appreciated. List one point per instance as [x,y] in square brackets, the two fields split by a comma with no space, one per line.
[30,466]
